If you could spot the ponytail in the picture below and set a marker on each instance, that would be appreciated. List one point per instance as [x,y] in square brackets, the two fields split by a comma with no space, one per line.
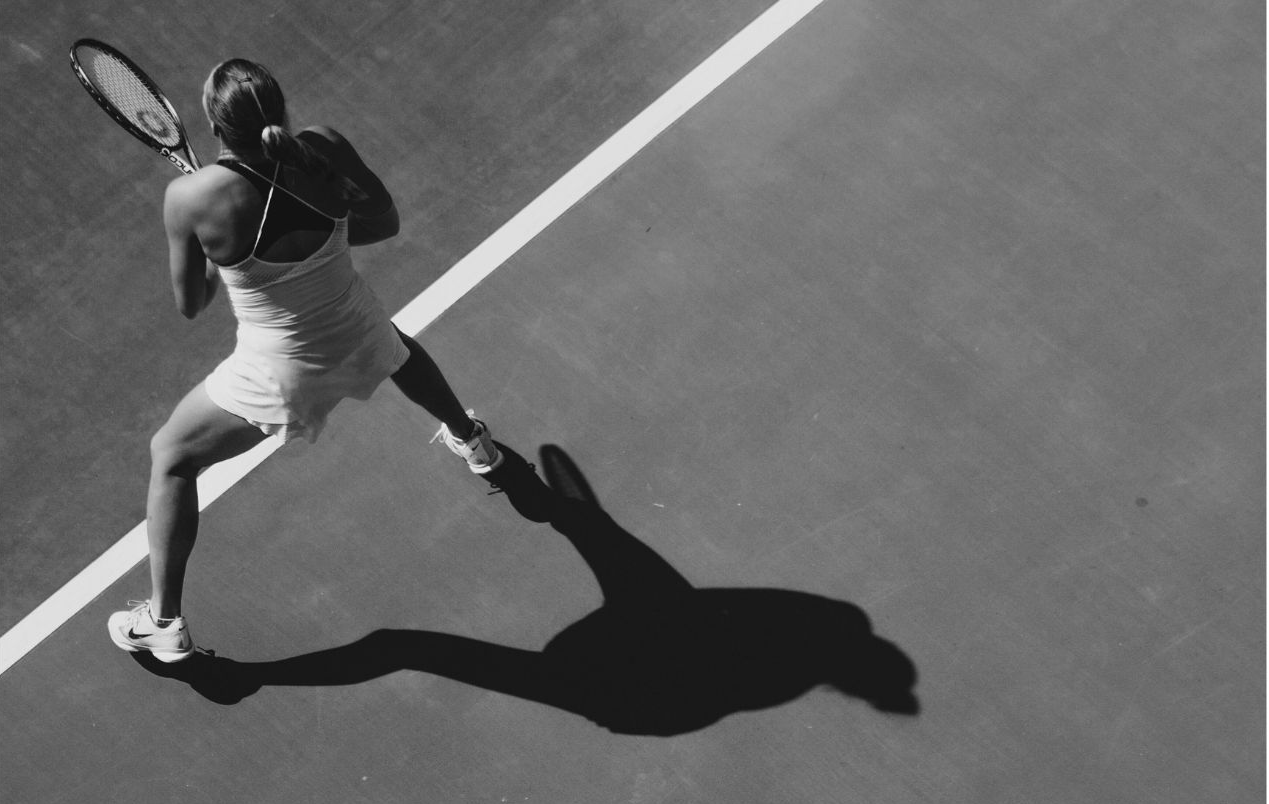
[280,145]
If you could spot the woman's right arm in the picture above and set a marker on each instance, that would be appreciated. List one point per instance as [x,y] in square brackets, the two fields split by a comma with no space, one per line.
[194,277]
[372,218]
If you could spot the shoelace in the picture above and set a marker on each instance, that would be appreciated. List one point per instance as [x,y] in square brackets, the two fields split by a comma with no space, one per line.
[141,608]
[139,613]
[442,435]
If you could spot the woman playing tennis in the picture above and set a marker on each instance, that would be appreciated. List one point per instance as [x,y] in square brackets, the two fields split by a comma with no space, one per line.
[273,220]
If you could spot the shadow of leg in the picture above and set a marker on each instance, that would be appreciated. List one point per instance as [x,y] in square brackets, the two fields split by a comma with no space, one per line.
[528,495]
[628,571]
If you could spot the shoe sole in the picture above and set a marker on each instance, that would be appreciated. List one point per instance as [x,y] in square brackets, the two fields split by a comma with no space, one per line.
[163,655]
[484,469]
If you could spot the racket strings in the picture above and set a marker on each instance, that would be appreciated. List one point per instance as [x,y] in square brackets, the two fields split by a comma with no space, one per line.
[132,97]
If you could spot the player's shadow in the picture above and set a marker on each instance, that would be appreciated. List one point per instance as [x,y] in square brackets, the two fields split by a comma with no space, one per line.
[659,657]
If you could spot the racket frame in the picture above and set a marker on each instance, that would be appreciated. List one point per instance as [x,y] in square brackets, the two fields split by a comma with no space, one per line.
[188,164]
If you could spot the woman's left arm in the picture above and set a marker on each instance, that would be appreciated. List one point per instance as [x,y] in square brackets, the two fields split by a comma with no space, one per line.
[194,277]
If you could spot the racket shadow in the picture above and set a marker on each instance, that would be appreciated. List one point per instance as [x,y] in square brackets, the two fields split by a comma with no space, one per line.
[658,657]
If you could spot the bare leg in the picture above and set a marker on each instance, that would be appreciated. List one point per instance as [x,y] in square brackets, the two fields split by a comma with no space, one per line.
[421,380]
[197,435]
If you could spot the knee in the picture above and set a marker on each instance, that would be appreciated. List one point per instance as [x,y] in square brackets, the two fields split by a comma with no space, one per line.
[169,456]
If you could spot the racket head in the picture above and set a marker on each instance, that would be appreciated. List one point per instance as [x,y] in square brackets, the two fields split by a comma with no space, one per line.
[132,99]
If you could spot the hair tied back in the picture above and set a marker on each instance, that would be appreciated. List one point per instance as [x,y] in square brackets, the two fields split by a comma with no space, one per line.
[277,143]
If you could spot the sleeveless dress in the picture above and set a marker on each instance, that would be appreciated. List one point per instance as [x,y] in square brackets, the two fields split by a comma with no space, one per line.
[310,334]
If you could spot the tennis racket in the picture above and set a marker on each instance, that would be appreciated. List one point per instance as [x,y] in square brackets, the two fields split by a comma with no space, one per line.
[133,100]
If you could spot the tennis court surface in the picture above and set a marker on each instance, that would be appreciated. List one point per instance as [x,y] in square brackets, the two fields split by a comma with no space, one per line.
[941,324]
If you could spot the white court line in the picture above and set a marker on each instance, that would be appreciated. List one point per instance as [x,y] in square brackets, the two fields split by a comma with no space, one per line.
[438,297]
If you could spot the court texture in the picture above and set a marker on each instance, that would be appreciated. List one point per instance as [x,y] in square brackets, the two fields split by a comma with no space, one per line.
[944,320]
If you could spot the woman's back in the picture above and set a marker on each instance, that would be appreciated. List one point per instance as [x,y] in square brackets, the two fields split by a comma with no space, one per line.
[241,215]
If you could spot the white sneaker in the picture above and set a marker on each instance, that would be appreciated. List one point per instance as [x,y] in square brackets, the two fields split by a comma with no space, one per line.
[135,630]
[480,451]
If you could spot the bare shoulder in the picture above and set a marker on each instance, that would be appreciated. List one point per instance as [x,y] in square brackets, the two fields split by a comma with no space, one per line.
[188,197]
[332,145]
[345,161]
[206,182]
[323,137]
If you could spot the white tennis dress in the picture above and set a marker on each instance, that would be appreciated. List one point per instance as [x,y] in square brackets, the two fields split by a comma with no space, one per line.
[310,333]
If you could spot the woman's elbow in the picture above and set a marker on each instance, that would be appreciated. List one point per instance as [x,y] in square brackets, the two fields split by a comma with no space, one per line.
[366,229]
[392,229]
[190,307]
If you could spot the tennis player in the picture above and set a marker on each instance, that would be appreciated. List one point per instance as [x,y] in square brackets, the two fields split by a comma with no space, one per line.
[273,221]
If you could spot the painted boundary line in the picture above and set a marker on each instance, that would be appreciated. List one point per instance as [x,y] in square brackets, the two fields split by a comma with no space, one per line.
[464,275]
